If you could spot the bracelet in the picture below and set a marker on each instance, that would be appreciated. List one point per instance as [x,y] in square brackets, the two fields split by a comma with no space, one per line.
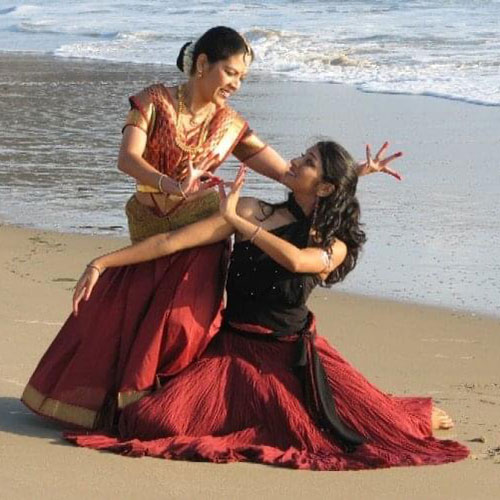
[160,187]
[96,268]
[179,187]
[255,233]
[326,260]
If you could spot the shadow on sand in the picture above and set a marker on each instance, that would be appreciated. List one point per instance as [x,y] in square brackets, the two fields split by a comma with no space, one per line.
[15,418]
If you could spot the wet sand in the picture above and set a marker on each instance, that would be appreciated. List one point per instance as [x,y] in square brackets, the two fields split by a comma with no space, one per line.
[402,348]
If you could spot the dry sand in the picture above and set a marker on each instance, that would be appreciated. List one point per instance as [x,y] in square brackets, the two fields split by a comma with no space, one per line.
[403,349]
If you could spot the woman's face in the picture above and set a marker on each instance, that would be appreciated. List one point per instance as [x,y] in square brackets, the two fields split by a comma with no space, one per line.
[306,172]
[223,78]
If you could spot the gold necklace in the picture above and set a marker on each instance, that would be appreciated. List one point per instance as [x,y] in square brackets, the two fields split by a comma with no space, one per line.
[192,151]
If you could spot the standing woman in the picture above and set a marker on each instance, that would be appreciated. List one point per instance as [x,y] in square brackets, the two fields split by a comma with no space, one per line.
[144,323]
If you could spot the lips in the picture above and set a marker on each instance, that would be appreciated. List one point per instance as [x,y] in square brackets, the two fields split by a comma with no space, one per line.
[291,171]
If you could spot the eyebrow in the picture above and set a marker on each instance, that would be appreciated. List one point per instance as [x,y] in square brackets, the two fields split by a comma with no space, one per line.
[313,155]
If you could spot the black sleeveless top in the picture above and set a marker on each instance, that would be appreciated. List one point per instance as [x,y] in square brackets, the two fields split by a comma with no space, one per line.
[260,291]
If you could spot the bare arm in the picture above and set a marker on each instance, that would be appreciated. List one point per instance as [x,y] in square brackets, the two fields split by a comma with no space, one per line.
[204,232]
[241,214]
[131,162]
[296,260]
[269,162]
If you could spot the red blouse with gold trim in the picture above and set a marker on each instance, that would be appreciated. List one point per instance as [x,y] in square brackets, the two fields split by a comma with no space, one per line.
[153,111]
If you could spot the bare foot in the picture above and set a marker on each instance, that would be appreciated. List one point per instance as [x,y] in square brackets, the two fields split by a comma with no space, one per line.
[441,420]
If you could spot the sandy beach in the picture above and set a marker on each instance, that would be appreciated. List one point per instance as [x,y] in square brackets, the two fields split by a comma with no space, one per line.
[403,349]
[444,256]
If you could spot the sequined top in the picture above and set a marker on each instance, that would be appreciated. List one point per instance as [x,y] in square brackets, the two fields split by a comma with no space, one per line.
[262,292]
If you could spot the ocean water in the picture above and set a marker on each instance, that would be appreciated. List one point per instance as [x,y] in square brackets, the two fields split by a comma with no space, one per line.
[446,48]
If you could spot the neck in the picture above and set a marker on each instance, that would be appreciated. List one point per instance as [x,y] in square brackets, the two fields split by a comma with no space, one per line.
[306,202]
[192,98]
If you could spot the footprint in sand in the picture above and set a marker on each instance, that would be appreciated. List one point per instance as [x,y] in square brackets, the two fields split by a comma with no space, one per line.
[459,341]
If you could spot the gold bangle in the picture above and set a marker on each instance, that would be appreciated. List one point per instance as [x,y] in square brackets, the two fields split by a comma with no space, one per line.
[96,268]
[255,233]
[179,187]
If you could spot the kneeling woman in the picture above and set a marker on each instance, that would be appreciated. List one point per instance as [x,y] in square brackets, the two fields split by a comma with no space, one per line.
[267,389]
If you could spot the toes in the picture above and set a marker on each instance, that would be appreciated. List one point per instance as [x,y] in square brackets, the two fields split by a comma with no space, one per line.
[445,422]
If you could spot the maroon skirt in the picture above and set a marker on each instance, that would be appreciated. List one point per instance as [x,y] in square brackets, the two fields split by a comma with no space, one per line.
[242,401]
[142,323]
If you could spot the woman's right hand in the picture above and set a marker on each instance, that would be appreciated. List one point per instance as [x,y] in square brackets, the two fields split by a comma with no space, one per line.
[85,285]
[229,202]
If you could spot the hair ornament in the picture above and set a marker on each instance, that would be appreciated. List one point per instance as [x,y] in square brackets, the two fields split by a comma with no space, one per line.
[187,59]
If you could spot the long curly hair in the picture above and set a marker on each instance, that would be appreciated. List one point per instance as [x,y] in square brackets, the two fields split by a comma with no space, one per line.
[338,215]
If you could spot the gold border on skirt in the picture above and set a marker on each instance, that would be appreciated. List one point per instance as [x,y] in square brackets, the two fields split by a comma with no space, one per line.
[57,409]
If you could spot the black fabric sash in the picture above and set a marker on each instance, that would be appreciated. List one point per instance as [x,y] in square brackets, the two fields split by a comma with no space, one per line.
[309,368]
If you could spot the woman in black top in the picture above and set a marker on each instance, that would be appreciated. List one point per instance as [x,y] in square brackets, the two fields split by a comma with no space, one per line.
[268,389]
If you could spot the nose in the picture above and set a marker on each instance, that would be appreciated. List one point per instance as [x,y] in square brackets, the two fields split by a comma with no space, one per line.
[236,84]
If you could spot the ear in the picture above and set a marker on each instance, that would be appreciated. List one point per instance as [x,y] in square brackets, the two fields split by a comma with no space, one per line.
[325,189]
[202,63]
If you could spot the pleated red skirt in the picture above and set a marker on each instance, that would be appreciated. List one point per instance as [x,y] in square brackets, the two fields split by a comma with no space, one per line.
[141,324]
[241,401]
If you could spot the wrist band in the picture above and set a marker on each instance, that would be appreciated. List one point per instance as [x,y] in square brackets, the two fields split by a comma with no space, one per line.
[95,267]
[255,233]
[160,187]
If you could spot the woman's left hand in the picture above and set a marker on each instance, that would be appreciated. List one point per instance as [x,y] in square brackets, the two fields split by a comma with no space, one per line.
[85,285]
[379,163]
[229,202]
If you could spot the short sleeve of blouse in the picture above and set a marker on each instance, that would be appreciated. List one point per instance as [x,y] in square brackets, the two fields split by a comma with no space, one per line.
[142,112]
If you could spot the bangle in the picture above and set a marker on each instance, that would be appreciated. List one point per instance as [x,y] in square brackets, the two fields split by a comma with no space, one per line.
[325,257]
[179,187]
[255,233]
[96,268]
[160,187]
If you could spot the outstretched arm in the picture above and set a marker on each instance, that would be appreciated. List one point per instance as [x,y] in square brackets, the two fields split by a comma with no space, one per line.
[204,232]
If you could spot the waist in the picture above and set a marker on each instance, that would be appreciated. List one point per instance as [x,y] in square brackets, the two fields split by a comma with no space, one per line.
[273,316]
[264,332]
[145,221]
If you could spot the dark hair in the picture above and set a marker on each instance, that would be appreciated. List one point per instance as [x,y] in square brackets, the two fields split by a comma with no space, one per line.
[338,214]
[217,43]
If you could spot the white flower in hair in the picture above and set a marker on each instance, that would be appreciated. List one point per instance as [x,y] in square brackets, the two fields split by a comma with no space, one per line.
[187,59]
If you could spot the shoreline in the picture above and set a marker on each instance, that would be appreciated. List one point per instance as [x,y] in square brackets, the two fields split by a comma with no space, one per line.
[403,349]
[262,75]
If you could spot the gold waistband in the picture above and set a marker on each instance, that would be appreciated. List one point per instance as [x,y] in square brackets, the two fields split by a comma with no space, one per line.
[143,222]
[144,188]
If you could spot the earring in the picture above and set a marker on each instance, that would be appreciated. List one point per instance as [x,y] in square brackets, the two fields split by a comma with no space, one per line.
[313,219]
[199,74]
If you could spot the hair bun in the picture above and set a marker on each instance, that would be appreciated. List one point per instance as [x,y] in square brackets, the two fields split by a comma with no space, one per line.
[180,57]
